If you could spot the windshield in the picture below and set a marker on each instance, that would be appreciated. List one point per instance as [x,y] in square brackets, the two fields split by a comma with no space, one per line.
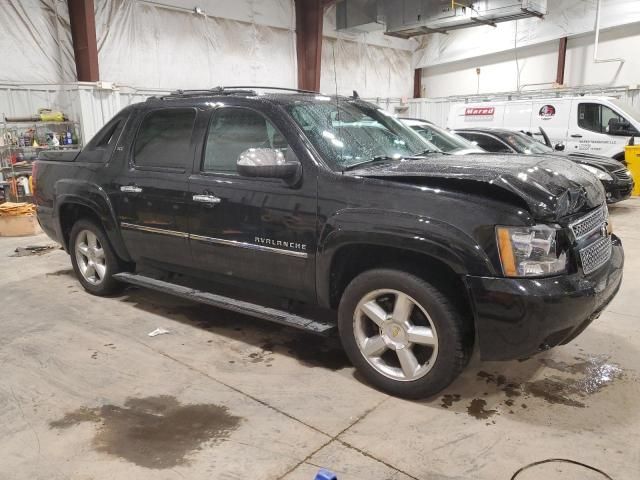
[353,132]
[630,110]
[522,143]
[444,140]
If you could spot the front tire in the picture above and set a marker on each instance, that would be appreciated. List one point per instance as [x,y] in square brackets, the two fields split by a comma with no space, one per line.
[93,259]
[401,333]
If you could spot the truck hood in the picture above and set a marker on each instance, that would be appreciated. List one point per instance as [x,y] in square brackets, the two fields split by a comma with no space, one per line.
[551,187]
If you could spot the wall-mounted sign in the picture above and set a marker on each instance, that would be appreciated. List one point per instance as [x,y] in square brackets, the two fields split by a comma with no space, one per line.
[547,111]
[479,111]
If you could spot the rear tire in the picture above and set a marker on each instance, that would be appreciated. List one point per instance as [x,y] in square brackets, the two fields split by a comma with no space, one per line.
[93,259]
[401,333]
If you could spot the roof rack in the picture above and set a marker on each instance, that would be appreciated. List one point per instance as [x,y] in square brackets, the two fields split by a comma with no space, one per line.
[229,90]
[284,89]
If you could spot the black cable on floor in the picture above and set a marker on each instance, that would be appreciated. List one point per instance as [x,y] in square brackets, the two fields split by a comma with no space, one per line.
[550,460]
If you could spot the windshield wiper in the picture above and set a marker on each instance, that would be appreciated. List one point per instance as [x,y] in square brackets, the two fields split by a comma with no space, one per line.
[429,152]
[376,159]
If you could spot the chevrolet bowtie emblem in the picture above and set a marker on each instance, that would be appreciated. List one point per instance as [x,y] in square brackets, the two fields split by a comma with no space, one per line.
[395,331]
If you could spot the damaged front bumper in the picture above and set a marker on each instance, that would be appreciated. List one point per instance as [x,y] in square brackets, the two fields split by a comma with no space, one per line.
[518,317]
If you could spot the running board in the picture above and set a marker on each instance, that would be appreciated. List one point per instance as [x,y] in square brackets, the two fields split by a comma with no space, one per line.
[266,313]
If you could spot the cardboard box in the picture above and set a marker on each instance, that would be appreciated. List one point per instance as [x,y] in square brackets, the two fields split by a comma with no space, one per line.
[19,226]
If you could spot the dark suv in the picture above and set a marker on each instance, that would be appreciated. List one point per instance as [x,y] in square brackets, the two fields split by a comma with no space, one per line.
[317,212]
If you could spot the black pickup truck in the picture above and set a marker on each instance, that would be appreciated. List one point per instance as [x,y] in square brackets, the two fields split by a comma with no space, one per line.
[322,212]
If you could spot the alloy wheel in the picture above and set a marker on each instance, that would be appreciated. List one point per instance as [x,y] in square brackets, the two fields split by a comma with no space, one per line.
[395,335]
[90,257]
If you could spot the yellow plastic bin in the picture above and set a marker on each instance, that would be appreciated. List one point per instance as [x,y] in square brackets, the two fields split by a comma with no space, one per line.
[632,157]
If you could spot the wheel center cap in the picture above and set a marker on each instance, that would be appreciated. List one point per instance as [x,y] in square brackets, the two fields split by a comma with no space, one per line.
[394,335]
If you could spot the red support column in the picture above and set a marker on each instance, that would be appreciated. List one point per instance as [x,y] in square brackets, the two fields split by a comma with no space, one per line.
[83,33]
[562,55]
[417,83]
[309,16]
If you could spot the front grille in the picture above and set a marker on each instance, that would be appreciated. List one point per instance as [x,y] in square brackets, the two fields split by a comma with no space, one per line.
[595,255]
[622,174]
[589,223]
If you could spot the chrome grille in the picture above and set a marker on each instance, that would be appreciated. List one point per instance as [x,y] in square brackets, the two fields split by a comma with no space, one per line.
[589,223]
[595,255]
[622,174]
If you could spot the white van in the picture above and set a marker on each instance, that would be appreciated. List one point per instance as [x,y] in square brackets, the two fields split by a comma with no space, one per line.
[598,125]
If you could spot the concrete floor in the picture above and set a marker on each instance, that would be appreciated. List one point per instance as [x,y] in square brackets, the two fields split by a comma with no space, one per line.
[86,394]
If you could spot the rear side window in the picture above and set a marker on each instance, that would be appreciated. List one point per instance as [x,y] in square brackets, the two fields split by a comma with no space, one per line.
[107,136]
[486,142]
[100,147]
[163,138]
[232,131]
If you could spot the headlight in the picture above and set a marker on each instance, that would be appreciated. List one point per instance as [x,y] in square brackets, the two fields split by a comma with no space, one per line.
[530,251]
[601,174]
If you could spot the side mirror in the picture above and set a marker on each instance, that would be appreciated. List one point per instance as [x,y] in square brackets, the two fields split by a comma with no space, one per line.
[559,147]
[618,127]
[268,163]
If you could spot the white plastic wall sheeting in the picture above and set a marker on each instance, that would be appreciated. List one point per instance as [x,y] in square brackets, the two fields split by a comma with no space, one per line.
[97,107]
[371,70]
[564,18]
[25,100]
[35,41]
[144,45]
[271,13]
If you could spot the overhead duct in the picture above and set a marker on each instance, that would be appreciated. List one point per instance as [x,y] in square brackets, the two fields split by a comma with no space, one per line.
[359,15]
[409,18]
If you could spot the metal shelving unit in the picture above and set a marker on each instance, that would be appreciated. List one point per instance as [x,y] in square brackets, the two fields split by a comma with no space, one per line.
[20,143]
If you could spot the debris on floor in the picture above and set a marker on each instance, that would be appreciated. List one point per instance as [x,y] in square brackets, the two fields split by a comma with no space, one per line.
[33,250]
[158,331]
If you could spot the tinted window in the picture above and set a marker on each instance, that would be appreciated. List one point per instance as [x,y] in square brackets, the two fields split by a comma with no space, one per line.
[107,136]
[232,131]
[163,139]
[443,139]
[101,146]
[522,143]
[596,117]
[486,142]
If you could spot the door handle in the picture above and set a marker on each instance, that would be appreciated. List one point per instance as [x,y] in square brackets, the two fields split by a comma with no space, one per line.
[130,189]
[210,199]
[576,135]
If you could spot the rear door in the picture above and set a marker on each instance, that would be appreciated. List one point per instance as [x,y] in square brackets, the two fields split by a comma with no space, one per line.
[153,190]
[258,232]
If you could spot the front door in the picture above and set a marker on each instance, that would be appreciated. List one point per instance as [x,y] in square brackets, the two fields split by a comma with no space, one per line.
[590,132]
[260,232]
[153,190]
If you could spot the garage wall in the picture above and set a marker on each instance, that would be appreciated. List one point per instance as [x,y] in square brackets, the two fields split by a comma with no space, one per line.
[143,44]
[35,41]
[449,61]
[537,64]
[373,64]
